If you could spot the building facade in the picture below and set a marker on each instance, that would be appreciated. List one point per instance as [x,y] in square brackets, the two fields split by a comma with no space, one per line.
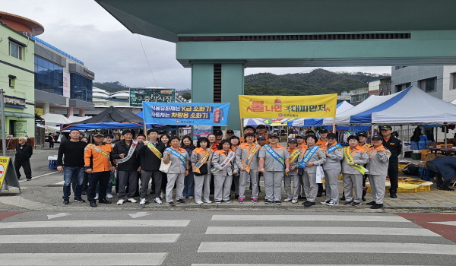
[438,81]
[380,87]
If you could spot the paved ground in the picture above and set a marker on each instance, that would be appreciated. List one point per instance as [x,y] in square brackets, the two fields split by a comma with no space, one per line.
[219,238]
[45,190]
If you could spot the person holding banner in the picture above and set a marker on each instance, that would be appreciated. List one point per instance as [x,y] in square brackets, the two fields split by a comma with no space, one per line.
[378,169]
[150,154]
[294,152]
[247,155]
[274,160]
[332,167]
[309,160]
[178,169]
[223,167]
[97,164]
[124,155]
[353,171]
[202,171]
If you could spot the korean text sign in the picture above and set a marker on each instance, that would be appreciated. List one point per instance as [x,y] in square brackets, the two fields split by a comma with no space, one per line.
[317,106]
[207,114]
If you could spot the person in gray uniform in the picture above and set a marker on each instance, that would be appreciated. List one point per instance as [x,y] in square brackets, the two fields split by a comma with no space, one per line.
[378,169]
[274,159]
[202,170]
[312,157]
[332,168]
[224,166]
[353,171]
[178,169]
[247,158]
[294,152]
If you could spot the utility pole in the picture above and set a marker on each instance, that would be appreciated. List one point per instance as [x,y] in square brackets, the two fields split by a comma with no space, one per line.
[2,110]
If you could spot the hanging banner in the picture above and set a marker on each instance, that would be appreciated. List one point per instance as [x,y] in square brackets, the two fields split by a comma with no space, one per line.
[316,106]
[207,114]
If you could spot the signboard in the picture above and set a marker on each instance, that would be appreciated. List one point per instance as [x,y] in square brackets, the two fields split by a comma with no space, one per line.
[137,96]
[207,114]
[7,173]
[11,101]
[201,131]
[66,84]
[317,106]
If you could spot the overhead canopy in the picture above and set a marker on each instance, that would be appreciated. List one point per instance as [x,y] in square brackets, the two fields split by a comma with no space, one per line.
[75,119]
[55,119]
[411,106]
[302,122]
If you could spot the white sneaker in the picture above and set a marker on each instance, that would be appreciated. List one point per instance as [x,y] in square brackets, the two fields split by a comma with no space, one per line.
[120,202]
[132,200]
[162,195]
[142,202]
[158,201]
[96,196]
[294,201]
[325,202]
[199,202]
[287,200]
[208,201]
[109,196]
[331,203]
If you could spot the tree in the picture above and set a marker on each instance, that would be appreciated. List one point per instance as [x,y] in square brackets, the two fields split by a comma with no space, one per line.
[187,96]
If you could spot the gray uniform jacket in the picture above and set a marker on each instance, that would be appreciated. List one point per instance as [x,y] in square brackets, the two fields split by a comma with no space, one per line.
[242,153]
[359,157]
[218,158]
[271,164]
[319,158]
[378,162]
[333,160]
[197,154]
[176,164]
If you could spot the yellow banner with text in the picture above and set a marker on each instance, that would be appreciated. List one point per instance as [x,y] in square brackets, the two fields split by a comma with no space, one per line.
[315,106]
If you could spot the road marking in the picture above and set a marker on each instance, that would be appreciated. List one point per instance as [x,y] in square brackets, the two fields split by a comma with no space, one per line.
[52,216]
[306,218]
[35,177]
[89,238]
[294,265]
[138,214]
[322,247]
[60,183]
[452,223]
[260,230]
[96,223]
[102,259]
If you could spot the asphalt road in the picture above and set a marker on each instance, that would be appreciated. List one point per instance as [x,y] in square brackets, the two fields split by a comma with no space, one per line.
[218,238]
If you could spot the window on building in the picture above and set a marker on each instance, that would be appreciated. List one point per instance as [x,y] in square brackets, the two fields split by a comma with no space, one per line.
[428,85]
[11,82]
[15,50]
[48,76]
[453,79]
[81,87]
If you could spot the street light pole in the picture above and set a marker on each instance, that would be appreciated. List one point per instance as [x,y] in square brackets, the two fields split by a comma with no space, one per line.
[2,110]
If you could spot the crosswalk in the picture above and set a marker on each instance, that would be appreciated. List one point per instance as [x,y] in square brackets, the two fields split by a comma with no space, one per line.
[235,238]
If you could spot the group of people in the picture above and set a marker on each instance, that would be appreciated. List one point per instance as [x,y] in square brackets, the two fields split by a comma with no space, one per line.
[217,165]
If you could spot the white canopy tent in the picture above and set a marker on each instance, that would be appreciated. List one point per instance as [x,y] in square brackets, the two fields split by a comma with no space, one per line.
[75,119]
[55,119]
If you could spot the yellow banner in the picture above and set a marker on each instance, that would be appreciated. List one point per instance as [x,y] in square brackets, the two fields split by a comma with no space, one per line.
[3,167]
[316,106]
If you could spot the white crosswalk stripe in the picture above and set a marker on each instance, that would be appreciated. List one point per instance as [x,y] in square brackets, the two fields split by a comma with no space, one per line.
[90,238]
[97,223]
[302,218]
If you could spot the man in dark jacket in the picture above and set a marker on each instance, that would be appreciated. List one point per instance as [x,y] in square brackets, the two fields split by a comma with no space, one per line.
[150,154]
[395,147]
[22,158]
[125,153]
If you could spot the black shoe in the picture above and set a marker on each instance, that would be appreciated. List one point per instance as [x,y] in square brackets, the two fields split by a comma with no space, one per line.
[343,198]
[348,202]
[79,199]
[236,196]
[364,194]
[371,203]
[277,202]
[447,189]
[29,179]
[393,194]
[84,192]
[171,203]
[356,203]
[308,203]
[181,201]
[376,206]
[93,204]
[104,201]
[66,201]
[301,197]
[268,201]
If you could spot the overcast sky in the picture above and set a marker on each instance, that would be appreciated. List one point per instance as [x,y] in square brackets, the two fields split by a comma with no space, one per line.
[86,31]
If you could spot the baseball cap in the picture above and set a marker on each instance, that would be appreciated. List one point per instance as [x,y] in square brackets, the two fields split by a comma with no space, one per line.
[324,130]
[218,132]
[300,136]
[261,137]
[261,126]
[273,136]
[377,137]
[230,131]
[331,136]
[292,140]
[362,134]
[98,134]
[386,127]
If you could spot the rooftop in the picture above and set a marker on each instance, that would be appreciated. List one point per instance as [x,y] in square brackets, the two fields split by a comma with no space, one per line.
[19,23]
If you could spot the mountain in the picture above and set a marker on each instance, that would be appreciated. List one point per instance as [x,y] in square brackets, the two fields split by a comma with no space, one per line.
[319,81]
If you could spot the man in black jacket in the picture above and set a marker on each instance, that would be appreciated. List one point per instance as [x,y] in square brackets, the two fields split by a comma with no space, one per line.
[395,147]
[150,154]
[22,158]
[127,166]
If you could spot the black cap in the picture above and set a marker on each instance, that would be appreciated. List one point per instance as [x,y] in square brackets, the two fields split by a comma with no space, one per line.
[218,132]
[230,131]
[309,131]
[362,134]
[331,136]
[300,136]
[324,130]
[377,137]
[98,134]
[273,136]
[353,137]
[161,132]
[126,131]
[292,140]
[261,137]
[261,126]
[386,127]
[249,127]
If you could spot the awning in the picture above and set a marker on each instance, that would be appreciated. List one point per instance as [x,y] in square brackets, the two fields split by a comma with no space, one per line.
[21,115]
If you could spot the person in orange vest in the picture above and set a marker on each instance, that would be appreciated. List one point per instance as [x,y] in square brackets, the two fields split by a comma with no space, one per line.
[247,130]
[248,158]
[323,139]
[294,152]
[365,146]
[261,131]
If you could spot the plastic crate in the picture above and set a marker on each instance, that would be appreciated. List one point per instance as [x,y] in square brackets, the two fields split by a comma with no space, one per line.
[424,188]
[427,174]
[52,164]
[421,171]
